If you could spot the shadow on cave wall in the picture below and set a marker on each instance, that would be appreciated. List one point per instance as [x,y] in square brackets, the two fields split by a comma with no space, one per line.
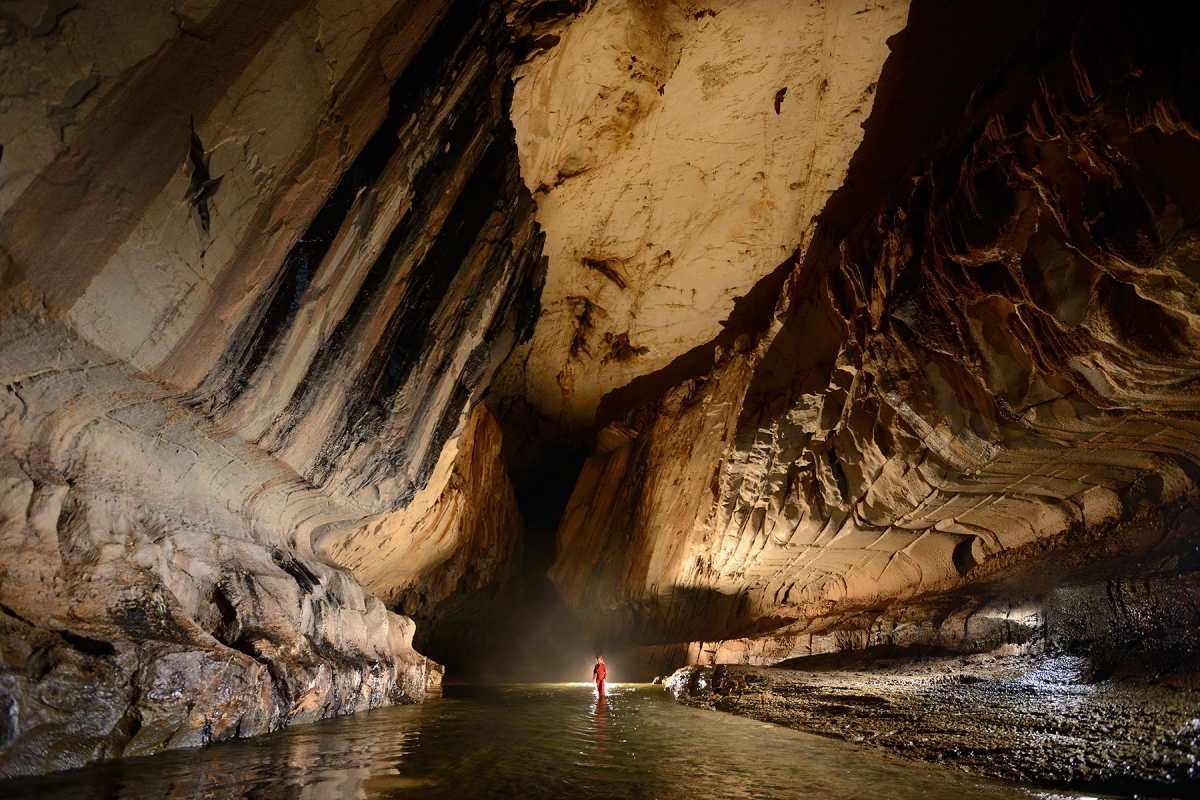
[521,631]
[947,52]
[947,49]
[524,631]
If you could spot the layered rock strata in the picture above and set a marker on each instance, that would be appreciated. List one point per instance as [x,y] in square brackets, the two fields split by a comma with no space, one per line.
[1056,673]
[462,534]
[252,296]
[141,609]
[997,361]
[1125,600]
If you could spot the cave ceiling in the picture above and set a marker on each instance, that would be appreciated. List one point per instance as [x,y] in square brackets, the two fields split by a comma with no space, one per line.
[678,154]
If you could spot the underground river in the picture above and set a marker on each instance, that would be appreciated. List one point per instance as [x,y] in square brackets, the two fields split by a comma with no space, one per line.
[524,740]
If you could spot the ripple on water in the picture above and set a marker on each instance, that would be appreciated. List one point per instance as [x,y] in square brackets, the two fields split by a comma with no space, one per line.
[535,741]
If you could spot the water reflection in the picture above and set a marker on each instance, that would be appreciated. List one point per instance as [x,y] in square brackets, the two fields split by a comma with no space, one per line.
[600,730]
[536,741]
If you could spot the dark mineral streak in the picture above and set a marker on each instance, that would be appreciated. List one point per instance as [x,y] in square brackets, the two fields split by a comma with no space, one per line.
[160,584]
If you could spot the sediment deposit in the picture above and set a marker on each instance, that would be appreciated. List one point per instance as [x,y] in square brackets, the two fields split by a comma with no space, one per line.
[1086,679]
[1039,721]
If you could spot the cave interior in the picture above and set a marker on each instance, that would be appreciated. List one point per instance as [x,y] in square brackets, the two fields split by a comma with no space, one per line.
[351,347]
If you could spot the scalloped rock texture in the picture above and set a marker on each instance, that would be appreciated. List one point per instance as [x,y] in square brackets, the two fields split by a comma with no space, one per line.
[998,363]
[259,267]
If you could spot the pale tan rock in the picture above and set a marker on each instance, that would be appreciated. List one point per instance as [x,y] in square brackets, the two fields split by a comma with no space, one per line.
[245,308]
[253,139]
[255,292]
[166,565]
[668,177]
[59,60]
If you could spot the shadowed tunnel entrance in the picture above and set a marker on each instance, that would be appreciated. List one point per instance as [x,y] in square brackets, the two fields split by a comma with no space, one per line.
[521,631]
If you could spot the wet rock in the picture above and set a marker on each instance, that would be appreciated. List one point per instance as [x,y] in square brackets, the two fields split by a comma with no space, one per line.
[1020,718]
[143,610]
[252,298]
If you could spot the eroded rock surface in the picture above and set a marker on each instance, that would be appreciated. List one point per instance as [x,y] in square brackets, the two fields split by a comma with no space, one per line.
[252,296]
[678,152]
[880,321]
[141,608]
[462,533]
[1090,679]
[996,362]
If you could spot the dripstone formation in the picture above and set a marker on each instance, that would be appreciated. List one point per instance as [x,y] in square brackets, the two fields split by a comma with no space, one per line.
[849,336]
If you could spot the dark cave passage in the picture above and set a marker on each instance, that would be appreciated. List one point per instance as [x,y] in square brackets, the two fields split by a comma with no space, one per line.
[522,631]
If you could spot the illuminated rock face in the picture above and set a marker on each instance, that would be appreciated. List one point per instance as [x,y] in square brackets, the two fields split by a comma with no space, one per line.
[996,365]
[259,266]
[462,532]
[678,153]
[866,355]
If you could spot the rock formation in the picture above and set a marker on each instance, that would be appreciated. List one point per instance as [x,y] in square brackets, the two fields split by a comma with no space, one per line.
[260,263]
[878,322]
[996,361]
[678,152]
[462,532]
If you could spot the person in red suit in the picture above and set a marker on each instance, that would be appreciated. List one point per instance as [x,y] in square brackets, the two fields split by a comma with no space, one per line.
[600,674]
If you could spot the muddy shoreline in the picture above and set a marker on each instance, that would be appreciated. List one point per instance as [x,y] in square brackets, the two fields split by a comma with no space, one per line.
[1048,720]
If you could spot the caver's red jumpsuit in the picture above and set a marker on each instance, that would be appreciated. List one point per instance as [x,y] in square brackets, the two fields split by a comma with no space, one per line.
[599,675]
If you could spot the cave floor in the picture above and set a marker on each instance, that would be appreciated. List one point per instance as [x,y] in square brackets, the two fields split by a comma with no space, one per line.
[527,741]
[1048,720]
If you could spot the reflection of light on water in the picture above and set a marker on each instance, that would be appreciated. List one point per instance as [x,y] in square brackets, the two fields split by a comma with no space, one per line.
[577,683]
[390,780]
[1029,616]
[536,742]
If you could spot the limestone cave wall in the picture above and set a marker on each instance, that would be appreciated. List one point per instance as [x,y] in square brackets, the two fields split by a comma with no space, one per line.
[992,367]
[878,322]
[678,152]
[260,261]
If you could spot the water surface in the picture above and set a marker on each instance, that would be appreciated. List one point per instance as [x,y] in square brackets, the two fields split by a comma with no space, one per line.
[530,740]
